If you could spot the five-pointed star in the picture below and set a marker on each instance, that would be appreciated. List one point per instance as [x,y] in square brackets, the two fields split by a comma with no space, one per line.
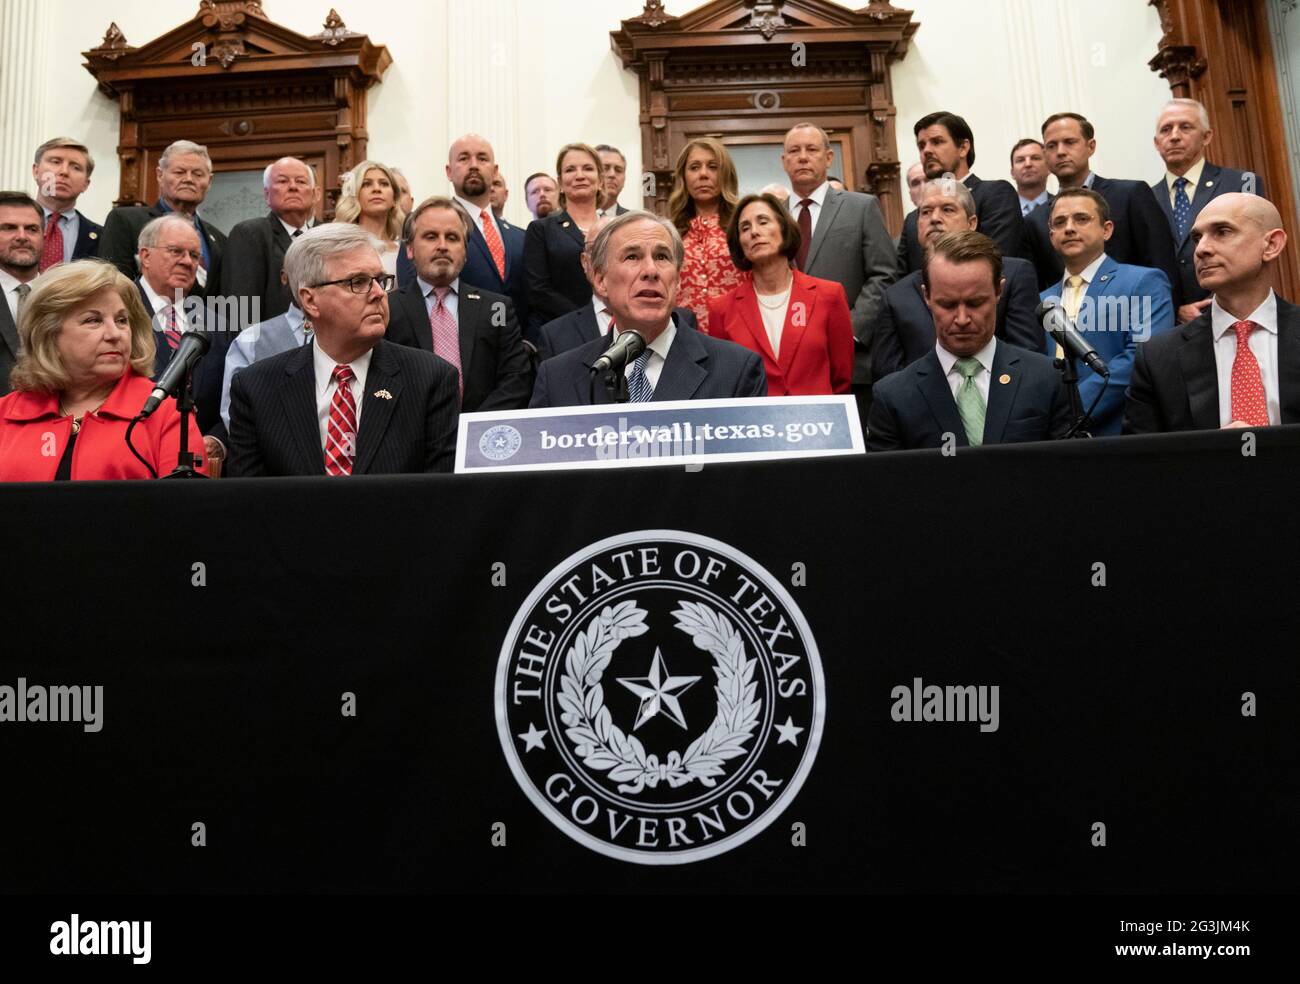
[788,732]
[658,692]
[501,440]
[533,738]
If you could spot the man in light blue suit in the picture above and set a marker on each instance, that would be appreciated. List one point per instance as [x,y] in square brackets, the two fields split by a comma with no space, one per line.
[1115,306]
[261,341]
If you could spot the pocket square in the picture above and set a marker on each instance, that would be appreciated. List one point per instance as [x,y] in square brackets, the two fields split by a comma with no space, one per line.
[383,395]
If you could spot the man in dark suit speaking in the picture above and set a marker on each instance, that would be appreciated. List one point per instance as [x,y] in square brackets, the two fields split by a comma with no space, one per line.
[971,389]
[348,403]
[636,263]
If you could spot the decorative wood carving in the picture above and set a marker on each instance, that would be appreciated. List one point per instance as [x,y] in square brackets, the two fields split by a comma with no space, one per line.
[747,70]
[1221,53]
[249,89]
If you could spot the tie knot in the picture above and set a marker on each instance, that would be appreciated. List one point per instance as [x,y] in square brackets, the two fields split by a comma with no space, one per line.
[806,203]
[23,289]
[1180,183]
[342,374]
[968,366]
[483,214]
[1074,282]
[1243,329]
[440,293]
[641,360]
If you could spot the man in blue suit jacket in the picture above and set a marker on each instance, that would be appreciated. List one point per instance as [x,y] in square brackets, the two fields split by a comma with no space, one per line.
[636,263]
[471,166]
[261,341]
[1190,182]
[971,388]
[1116,306]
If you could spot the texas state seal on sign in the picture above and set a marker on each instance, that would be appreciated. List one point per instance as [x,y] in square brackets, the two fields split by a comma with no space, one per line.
[659,697]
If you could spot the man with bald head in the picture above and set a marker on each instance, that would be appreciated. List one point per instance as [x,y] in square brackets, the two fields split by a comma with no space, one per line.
[495,251]
[592,320]
[636,263]
[1238,364]
[255,248]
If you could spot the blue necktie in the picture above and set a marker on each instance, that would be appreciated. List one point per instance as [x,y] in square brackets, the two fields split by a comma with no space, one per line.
[639,389]
[1182,207]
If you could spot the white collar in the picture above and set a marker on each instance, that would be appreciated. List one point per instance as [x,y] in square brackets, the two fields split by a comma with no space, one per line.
[292,229]
[473,209]
[157,301]
[427,288]
[1193,176]
[663,341]
[9,282]
[1089,273]
[818,195]
[1265,316]
[984,356]
[325,365]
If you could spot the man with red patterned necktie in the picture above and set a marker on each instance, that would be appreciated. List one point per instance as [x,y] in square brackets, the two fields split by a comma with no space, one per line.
[62,170]
[348,402]
[1238,364]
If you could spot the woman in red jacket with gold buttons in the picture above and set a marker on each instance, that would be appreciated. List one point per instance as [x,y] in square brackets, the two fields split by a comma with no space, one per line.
[82,374]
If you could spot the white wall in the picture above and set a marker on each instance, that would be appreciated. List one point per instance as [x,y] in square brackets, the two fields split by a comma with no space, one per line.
[532,75]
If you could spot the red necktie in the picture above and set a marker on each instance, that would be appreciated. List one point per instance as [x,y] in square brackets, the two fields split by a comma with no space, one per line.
[170,333]
[494,244]
[52,253]
[805,233]
[1249,402]
[446,336]
[341,431]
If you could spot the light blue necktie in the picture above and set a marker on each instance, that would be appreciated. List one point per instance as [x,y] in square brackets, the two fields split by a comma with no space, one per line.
[1182,206]
[639,389]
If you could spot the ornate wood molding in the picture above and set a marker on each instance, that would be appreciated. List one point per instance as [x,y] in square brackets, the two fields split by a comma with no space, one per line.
[749,68]
[247,87]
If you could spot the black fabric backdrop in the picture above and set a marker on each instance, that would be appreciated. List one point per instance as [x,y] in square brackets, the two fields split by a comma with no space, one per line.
[1118,704]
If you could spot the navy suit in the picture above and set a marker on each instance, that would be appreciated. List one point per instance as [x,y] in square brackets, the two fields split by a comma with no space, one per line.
[553,267]
[579,327]
[915,408]
[88,236]
[997,206]
[698,368]
[1113,319]
[905,332]
[1141,236]
[274,429]
[1215,181]
[206,377]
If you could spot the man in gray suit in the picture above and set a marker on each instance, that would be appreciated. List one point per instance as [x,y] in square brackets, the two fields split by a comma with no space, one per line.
[22,236]
[844,240]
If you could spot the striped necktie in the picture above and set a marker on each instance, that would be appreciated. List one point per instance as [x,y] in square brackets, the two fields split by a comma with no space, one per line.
[639,389]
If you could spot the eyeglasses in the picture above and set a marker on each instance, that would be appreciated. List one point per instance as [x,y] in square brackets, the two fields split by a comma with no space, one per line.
[360,284]
[175,252]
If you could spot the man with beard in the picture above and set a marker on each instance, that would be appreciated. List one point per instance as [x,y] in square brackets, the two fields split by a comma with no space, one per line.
[21,241]
[542,194]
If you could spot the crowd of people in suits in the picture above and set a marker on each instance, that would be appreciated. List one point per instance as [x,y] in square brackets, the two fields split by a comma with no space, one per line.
[373,332]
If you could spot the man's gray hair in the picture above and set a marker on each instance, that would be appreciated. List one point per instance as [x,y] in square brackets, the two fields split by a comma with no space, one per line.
[599,252]
[1194,104]
[826,137]
[184,147]
[304,263]
[266,175]
[153,230]
[950,188]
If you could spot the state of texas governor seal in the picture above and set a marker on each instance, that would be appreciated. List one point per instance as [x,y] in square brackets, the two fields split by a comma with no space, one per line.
[659,697]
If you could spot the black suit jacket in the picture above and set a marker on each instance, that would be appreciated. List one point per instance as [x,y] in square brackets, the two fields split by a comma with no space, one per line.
[1215,181]
[906,329]
[997,206]
[1141,236]
[496,370]
[251,265]
[121,236]
[579,327]
[207,375]
[1175,381]
[274,429]
[8,345]
[553,269]
[698,368]
[89,235]
[915,408]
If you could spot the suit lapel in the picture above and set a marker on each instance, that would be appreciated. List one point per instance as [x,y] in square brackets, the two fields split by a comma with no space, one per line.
[569,227]
[1002,396]
[298,399]
[1200,374]
[683,372]
[1205,190]
[1288,358]
[588,326]
[468,312]
[280,237]
[934,388]
[8,330]
[750,316]
[476,239]
[830,208]
[411,297]
[1161,190]
[376,411]
[798,315]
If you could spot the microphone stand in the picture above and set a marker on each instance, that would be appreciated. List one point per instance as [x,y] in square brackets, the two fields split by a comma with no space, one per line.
[1070,375]
[615,386]
[185,404]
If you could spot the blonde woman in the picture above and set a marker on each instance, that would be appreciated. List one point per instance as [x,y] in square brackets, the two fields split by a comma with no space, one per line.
[701,205]
[370,196]
[87,352]
[553,246]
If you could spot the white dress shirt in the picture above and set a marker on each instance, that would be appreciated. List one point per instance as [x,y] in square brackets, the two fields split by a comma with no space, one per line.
[949,363]
[1089,275]
[451,302]
[1193,177]
[815,209]
[160,306]
[325,385]
[603,316]
[292,229]
[1263,343]
[476,213]
[9,285]
[774,317]
[659,354]
[70,226]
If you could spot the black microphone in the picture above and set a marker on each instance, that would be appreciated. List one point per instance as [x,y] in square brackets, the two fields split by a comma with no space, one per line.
[193,346]
[1053,318]
[630,344]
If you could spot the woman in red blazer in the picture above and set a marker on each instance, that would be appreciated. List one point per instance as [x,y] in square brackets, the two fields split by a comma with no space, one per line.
[799,324]
[86,351]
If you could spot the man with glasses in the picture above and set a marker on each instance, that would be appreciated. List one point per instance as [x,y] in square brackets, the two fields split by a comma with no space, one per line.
[348,402]
[184,176]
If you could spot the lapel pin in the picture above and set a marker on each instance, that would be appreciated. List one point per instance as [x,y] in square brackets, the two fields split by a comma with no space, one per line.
[472,297]
[94,235]
[1004,379]
[382,395]
[564,225]
[1209,184]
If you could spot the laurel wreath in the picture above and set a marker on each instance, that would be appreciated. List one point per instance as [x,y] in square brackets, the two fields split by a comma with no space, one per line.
[602,745]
